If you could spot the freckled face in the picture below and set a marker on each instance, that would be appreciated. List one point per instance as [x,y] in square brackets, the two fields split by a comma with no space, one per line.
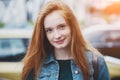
[57,30]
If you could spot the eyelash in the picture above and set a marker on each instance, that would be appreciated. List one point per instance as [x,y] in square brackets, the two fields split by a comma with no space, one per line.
[62,26]
[48,30]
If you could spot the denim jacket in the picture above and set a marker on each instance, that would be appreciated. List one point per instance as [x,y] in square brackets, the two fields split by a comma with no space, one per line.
[50,69]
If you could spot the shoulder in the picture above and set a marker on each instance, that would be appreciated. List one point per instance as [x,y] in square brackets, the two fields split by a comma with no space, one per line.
[91,55]
[99,61]
[101,69]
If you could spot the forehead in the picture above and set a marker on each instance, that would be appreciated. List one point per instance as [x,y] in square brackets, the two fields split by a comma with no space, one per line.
[53,19]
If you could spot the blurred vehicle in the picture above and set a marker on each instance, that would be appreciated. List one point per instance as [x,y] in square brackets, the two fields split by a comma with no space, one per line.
[106,38]
[13,46]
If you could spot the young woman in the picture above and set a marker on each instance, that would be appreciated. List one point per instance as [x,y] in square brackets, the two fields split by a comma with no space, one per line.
[58,50]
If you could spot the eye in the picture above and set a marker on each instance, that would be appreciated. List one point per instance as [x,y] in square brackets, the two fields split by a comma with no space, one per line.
[62,26]
[48,30]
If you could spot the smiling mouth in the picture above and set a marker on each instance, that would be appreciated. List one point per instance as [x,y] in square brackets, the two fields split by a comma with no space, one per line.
[60,41]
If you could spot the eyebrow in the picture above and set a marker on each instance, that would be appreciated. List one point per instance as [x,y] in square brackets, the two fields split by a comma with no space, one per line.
[57,25]
[61,24]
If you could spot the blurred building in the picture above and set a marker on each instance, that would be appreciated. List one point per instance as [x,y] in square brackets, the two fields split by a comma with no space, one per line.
[23,13]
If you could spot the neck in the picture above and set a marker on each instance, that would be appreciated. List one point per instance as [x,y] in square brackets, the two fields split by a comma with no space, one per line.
[62,54]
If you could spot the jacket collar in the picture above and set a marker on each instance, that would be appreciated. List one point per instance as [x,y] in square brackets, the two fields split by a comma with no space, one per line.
[50,58]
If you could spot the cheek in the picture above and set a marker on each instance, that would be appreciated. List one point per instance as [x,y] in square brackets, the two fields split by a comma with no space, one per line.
[49,37]
[68,33]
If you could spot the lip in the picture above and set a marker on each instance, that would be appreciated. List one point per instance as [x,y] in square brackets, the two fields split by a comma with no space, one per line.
[60,41]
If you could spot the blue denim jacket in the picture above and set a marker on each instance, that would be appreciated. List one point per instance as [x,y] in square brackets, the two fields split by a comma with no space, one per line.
[50,69]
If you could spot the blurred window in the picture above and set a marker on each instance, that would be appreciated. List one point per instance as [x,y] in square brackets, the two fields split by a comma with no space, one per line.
[104,38]
[113,36]
[13,47]
[94,37]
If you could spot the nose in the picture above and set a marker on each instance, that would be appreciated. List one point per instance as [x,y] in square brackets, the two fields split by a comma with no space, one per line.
[57,35]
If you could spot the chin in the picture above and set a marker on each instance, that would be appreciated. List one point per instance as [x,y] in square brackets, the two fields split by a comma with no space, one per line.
[60,46]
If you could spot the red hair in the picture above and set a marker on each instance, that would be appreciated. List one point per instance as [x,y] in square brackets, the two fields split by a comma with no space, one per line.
[39,46]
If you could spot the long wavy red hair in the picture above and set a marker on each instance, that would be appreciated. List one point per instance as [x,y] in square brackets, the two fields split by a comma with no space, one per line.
[39,47]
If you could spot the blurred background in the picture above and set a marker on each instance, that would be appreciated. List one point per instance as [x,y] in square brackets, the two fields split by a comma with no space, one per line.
[98,19]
